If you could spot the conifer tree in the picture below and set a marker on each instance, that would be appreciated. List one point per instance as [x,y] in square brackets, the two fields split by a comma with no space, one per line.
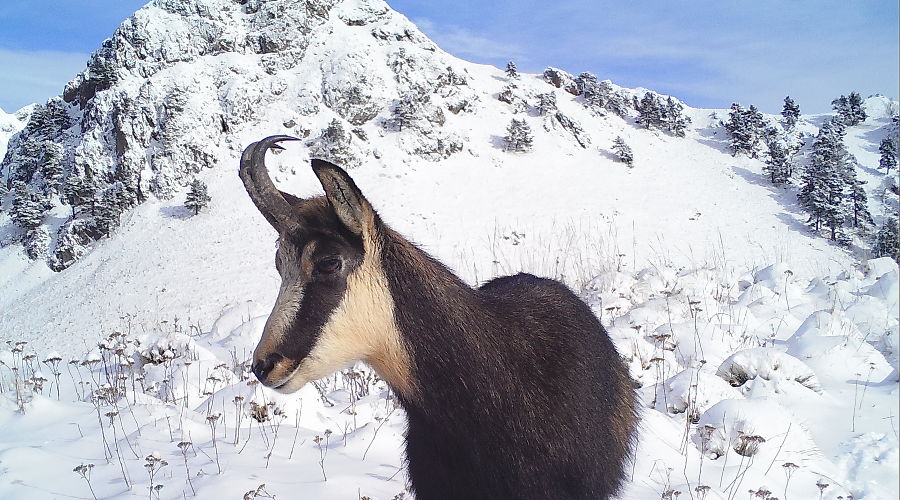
[650,112]
[334,145]
[584,82]
[57,115]
[850,110]
[518,136]
[790,112]
[50,164]
[615,101]
[888,155]
[887,240]
[857,210]
[589,88]
[108,211]
[78,192]
[405,111]
[777,163]
[675,121]
[822,190]
[511,71]
[756,120]
[740,130]
[547,103]
[623,152]
[28,157]
[451,77]
[197,197]
[857,109]
[28,208]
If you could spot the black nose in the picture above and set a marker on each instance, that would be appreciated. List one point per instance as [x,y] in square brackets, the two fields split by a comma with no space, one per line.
[262,367]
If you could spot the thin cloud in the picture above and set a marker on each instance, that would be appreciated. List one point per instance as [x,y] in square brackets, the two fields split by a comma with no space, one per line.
[462,42]
[33,76]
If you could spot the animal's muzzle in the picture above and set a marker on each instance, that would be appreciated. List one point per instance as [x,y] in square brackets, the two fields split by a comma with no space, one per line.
[263,367]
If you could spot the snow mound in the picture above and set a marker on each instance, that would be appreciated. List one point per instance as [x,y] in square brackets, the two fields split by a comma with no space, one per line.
[767,364]
[757,428]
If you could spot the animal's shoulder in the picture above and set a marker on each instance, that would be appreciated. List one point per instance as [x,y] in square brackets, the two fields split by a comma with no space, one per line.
[524,283]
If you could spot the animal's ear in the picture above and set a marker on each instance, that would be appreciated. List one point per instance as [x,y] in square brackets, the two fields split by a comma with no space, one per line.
[346,199]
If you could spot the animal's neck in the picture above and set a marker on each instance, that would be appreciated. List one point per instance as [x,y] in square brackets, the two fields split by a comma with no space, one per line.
[441,322]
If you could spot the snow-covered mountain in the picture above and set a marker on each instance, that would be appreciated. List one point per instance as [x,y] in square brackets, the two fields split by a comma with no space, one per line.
[10,124]
[184,85]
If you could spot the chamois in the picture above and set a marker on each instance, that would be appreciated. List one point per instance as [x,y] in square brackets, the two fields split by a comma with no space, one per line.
[512,389]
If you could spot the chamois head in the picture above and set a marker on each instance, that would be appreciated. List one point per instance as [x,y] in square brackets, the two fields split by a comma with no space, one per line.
[333,306]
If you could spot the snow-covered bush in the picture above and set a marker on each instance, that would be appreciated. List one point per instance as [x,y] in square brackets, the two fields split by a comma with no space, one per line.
[767,364]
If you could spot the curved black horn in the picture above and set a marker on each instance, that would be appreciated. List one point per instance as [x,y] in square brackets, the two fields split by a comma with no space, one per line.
[268,199]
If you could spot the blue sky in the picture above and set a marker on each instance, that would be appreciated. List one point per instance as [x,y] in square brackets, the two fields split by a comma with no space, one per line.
[708,53]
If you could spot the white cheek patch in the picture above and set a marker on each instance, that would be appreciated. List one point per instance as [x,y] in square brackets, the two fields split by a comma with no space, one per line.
[361,327]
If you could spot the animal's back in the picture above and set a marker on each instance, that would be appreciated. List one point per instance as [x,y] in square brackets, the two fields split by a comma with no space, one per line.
[578,402]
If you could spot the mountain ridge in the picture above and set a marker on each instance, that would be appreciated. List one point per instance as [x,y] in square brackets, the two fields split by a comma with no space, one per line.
[687,199]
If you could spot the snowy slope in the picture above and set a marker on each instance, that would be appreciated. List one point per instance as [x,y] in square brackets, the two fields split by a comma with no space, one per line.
[10,124]
[200,80]
[687,202]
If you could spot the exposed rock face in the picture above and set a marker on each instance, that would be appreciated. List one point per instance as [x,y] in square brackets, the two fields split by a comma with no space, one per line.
[562,80]
[183,86]
[178,82]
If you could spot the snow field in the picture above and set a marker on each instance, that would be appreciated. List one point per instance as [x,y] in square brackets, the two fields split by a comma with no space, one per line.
[754,384]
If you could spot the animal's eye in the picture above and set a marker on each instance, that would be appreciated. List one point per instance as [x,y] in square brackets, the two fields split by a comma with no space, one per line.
[328,266]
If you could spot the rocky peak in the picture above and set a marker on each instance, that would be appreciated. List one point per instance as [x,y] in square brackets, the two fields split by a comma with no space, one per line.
[169,94]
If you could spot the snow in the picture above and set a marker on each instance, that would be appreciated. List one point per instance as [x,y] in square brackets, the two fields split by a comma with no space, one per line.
[788,424]
[699,269]
[11,124]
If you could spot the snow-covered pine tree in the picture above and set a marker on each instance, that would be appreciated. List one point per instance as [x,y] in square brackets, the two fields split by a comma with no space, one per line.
[333,144]
[739,130]
[511,70]
[650,111]
[590,89]
[451,77]
[78,192]
[615,101]
[600,95]
[518,136]
[28,208]
[790,112]
[38,121]
[887,240]
[197,196]
[546,103]
[850,110]
[58,115]
[585,82]
[511,95]
[888,155]
[745,128]
[777,163]
[405,111]
[50,164]
[857,211]
[841,106]
[107,211]
[857,109]
[675,121]
[27,159]
[623,152]
[756,120]
[822,189]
